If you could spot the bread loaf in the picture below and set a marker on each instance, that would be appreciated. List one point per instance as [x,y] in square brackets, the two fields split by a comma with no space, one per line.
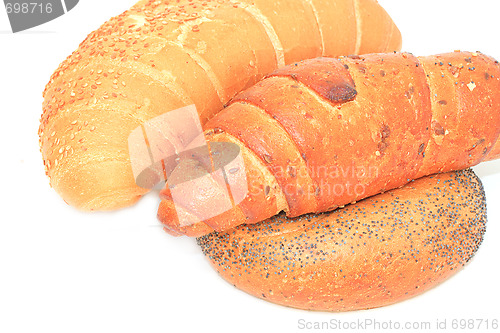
[163,55]
[323,133]
[376,252]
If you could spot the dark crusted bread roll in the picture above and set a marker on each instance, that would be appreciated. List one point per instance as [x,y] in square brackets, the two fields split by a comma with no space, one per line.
[376,252]
[315,127]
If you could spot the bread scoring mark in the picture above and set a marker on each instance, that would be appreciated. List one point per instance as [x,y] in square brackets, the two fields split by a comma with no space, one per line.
[268,27]
[326,77]
[316,16]
[252,101]
[359,26]
[201,62]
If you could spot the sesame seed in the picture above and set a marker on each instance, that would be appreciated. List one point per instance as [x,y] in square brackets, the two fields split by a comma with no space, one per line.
[471,86]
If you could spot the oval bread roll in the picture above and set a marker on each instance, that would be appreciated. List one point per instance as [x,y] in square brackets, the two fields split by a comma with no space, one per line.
[376,252]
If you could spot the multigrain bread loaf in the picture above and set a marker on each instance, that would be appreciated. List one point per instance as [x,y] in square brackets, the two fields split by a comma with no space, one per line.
[323,133]
[376,252]
[163,55]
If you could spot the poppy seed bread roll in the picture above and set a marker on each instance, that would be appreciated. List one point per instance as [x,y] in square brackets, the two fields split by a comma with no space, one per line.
[377,252]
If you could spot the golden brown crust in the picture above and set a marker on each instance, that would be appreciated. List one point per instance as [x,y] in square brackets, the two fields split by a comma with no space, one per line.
[160,56]
[467,82]
[371,31]
[377,252]
[358,126]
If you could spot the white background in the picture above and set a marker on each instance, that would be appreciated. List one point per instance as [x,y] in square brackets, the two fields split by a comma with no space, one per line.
[66,271]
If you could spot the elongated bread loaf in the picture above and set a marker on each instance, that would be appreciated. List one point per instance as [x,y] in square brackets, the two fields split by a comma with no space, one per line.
[379,251]
[323,133]
[163,55]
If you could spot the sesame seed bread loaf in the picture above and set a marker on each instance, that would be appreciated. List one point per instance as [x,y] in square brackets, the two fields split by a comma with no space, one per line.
[323,133]
[160,56]
[376,252]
